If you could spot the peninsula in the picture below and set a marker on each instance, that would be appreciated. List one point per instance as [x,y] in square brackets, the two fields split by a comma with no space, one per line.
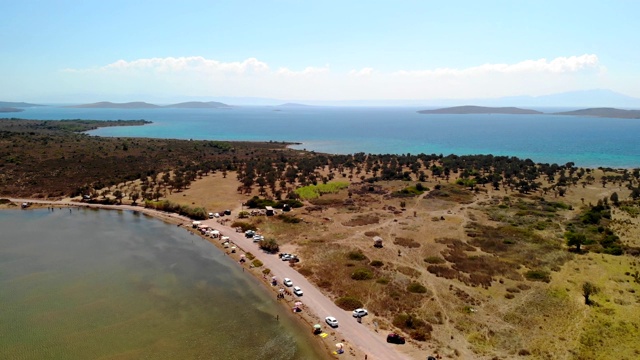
[10,109]
[470,109]
[198,105]
[11,104]
[604,112]
[145,105]
[110,105]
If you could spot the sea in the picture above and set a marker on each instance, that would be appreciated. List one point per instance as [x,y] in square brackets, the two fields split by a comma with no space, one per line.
[105,284]
[546,138]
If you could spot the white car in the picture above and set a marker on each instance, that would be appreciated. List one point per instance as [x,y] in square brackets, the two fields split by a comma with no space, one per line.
[285,257]
[360,313]
[287,282]
[297,290]
[331,321]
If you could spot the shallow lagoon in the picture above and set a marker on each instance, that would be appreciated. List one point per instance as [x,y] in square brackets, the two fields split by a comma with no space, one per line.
[93,284]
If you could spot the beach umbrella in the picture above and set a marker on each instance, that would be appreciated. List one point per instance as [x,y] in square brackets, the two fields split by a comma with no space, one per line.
[317,326]
[297,303]
[339,345]
[242,256]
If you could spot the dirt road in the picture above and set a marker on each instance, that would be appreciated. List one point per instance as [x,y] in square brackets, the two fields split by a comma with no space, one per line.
[371,343]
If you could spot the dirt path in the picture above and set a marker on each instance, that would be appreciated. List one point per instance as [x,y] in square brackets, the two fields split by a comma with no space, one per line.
[357,334]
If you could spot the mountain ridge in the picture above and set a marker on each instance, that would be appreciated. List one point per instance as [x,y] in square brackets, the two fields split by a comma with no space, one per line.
[603,112]
[473,109]
[145,105]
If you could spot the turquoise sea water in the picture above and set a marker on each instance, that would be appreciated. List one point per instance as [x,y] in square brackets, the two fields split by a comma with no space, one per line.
[543,138]
[98,284]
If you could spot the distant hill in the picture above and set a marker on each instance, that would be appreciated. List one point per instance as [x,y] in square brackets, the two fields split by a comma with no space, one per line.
[7,104]
[604,112]
[198,105]
[9,109]
[469,109]
[293,105]
[110,105]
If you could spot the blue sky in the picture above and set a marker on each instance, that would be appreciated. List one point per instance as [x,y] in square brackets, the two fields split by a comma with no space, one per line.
[65,51]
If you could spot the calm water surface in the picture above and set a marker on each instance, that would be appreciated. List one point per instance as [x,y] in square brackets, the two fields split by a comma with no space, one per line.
[543,138]
[112,284]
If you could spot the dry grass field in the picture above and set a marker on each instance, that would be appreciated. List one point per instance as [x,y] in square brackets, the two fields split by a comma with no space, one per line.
[469,275]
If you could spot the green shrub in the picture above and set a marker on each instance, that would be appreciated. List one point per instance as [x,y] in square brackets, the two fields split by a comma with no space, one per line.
[314,191]
[266,271]
[244,226]
[434,260]
[356,255]
[362,274]
[348,303]
[288,219]
[538,275]
[270,245]
[257,263]
[250,256]
[376,263]
[383,281]
[416,288]
[420,335]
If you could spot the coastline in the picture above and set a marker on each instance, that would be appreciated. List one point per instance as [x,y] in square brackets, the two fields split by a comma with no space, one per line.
[322,347]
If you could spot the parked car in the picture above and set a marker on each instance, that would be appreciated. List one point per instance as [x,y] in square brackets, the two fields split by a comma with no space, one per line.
[216,215]
[249,233]
[285,257]
[210,215]
[294,259]
[331,321]
[394,338]
[257,238]
[360,312]
[297,290]
[287,282]
[227,212]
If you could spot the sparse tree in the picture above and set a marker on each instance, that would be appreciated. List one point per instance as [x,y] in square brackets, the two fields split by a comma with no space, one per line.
[588,289]
[575,239]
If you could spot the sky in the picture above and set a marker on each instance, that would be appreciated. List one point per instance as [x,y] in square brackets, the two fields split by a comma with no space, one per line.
[81,51]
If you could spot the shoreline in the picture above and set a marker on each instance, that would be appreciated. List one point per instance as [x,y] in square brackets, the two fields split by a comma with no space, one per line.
[321,346]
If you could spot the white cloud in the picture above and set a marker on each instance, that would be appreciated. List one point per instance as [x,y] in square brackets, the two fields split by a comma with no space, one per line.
[556,66]
[310,70]
[182,64]
[367,71]
[199,76]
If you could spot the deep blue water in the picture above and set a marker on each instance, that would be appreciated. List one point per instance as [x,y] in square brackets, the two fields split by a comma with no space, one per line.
[543,138]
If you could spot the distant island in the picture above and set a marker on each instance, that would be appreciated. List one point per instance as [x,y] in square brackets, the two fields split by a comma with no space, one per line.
[470,109]
[9,104]
[604,112]
[9,109]
[110,105]
[293,105]
[199,105]
[144,105]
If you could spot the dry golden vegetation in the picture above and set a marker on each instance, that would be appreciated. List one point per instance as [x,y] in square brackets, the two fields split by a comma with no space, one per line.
[482,257]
